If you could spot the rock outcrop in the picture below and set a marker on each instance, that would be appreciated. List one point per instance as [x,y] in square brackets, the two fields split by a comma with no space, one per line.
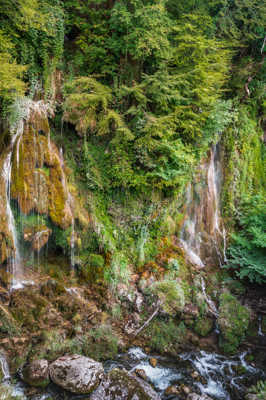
[77,374]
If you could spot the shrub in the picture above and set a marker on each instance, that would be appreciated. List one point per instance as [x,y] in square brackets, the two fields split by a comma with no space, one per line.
[118,272]
[165,335]
[170,294]
[96,260]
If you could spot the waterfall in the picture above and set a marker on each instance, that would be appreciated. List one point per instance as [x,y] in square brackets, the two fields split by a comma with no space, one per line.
[16,268]
[70,205]
[203,231]
[21,113]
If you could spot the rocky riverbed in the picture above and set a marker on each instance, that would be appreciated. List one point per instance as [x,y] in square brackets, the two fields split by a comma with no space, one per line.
[137,375]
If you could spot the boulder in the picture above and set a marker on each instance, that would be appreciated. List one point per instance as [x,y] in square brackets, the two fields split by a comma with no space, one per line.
[77,374]
[121,385]
[36,373]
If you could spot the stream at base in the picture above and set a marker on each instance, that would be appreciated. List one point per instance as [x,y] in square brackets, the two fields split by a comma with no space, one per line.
[217,376]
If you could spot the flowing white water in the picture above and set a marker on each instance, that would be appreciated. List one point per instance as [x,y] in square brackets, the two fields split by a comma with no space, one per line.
[212,306]
[4,367]
[22,110]
[219,372]
[190,238]
[203,224]
[15,260]
[70,205]
[260,333]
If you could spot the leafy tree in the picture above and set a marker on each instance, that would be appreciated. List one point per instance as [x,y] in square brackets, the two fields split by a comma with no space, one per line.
[11,84]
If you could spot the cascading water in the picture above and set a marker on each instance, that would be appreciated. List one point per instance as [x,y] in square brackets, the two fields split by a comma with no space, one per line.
[15,266]
[22,111]
[203,233]
[4,367]
[260,333]
[70,205]
[211,305]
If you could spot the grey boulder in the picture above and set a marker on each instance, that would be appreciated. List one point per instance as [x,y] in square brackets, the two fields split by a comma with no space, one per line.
[77,374]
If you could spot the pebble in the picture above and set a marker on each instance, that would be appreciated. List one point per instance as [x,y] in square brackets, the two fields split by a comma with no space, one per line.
[153,362]
[141,374]
[171,390]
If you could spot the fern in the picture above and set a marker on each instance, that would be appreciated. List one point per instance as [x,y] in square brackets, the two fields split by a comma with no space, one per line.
[247,252]
[259,389]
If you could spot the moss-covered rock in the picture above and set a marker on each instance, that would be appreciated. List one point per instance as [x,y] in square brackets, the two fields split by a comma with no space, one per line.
[121,385]
[203,326]
[171,295]
[36,373]
[233,322]
[27,307]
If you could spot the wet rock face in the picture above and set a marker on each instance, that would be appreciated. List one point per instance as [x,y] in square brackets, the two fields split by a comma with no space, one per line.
[38,178]
[36,373]
[121,385]
[38,236]
[77,374]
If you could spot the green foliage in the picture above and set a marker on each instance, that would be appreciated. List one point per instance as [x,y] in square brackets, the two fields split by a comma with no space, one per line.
[259,390]
[203,326]
[170,294]
[247,251]
[233,322]
[96,260]
[101,343]
[98,343]
[118,271]
[41,25]
[165,335]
